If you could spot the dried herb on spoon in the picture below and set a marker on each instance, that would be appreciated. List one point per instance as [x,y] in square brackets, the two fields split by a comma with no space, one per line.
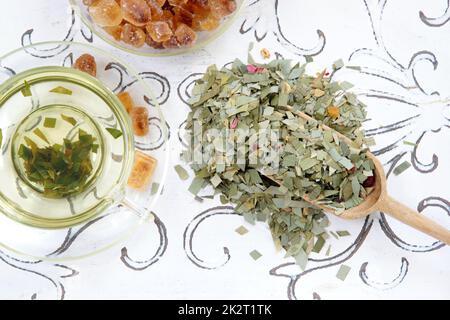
[234,108]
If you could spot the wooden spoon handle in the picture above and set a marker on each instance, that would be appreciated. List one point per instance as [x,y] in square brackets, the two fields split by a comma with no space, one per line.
[414,219]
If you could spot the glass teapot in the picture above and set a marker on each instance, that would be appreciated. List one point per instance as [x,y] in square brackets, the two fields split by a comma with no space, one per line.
[94,108]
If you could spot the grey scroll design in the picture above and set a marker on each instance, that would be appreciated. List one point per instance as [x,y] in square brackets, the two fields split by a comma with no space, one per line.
[27,40]
[262,19]
[405,90]
[282,270]
[140,265]
[399,86]
[53,273]
[384,285]
[189,235]
[436,21]
[124,82]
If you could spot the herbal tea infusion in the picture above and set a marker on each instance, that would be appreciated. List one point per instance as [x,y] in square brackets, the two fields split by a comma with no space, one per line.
[61,169]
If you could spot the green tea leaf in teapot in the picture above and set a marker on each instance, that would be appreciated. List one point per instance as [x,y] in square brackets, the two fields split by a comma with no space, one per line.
[61,90]
[114,132]
[70,120]
[61,169]
[41,135]
[50,123]
[26,90]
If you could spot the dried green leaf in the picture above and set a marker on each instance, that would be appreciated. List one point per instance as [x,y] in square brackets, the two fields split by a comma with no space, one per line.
[249,217]
[154,188]
[357,68]
[301,259]
[318,245]
[408,143]
[215,180]
[343,233]
[241,230]
[182,173]
[334,234]
[312,162]
[343,272]
[356,186]
[402,167]
[370,142]
[338,64]
[196,185]
[255,254]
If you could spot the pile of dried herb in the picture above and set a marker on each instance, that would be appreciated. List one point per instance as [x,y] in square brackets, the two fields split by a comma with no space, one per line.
[62,169]
[235,108]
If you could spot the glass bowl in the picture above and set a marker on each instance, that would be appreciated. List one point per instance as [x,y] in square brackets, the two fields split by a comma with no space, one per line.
[204,37]
[106,211]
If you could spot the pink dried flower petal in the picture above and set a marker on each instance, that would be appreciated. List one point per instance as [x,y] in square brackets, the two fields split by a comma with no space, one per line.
[234,123]
[251,68]
[259,70]
[254,69]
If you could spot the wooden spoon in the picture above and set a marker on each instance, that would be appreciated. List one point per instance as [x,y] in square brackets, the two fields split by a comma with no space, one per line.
[379,199]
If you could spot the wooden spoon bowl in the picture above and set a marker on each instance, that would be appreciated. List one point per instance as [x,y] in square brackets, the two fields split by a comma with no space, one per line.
[373,199]
[379,200]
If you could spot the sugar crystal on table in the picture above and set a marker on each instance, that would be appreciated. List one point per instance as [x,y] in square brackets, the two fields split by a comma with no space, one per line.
[143,168]
[126,100]
[139,118]
[86,63]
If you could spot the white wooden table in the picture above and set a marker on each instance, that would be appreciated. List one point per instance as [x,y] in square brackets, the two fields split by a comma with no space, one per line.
[193,251]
